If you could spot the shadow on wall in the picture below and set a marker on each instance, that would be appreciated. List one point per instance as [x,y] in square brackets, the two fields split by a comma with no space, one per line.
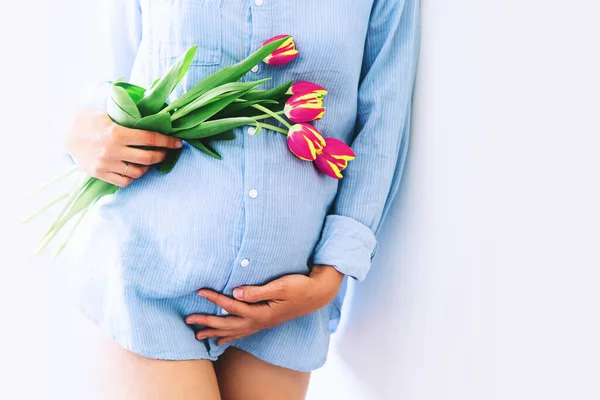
[371,342]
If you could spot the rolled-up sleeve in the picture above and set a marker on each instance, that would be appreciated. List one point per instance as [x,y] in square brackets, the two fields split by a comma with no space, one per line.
[371,180]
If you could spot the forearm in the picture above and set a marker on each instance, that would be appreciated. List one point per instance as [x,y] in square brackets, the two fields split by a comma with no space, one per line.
[327,281]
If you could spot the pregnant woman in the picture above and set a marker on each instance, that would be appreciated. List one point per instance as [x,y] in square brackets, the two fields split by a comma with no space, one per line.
[223,279]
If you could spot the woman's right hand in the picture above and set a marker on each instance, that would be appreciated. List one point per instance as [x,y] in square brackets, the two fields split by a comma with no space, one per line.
[102,149]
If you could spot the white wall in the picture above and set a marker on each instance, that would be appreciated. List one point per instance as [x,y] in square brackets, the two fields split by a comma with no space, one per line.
[485,285]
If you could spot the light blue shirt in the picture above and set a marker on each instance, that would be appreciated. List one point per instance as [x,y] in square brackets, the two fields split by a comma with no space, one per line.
[260,212]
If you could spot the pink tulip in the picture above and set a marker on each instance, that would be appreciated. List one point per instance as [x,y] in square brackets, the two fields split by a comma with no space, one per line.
[285,53]
[334,158]
[305,141]
[304,87]
[304,107]
[330,155]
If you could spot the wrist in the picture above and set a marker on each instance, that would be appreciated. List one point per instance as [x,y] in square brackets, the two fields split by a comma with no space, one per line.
[328,280]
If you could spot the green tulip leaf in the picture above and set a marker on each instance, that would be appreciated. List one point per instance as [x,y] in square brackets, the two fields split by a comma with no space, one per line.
[124,101]
[275,93]
[155,98]
[170,160]
[214,94]
[201,145]
[228,74]
[211,128]
[135,92]
[117,114]
[203,113]
[160,123]
[229,135]
[237,107]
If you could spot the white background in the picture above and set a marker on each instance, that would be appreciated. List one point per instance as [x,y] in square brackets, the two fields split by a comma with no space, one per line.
[486,282]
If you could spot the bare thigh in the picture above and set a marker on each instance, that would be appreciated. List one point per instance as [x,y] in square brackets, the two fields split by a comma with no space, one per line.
[116,373]
[242,376]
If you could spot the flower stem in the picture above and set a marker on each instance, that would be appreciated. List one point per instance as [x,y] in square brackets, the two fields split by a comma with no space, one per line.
[263,116]
[75,225]
[83,182]
[53,181]
[272,114]
[47,206]
[273,128]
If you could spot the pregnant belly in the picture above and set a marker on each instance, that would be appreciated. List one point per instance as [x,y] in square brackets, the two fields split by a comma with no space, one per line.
[167,235]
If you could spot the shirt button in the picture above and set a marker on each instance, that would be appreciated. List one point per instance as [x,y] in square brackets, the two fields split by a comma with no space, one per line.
[251,130]
[253,193]
[254,69]
[224,311]
[258,2]
[244,262]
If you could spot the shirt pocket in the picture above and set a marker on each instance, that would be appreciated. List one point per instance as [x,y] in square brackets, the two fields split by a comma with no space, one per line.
[176,25]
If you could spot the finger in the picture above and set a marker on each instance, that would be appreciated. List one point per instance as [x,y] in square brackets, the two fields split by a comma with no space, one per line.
[227,339]
[116,179]
[133,170]
[140,156]
[138,137]
[274,290]
[208,333]
[229,322]
[230,305]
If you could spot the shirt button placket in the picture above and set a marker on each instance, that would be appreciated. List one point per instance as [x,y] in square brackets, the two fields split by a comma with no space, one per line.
[253,168]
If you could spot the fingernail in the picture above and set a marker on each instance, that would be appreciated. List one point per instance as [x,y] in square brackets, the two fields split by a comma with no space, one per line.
[238,293]
[201,294]
[179,143]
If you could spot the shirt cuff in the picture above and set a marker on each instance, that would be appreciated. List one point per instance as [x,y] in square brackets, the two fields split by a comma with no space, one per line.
[346,244]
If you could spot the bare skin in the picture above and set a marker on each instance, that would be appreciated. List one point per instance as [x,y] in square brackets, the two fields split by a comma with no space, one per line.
[242,376]
[119,374]
[102,149]
[255,308]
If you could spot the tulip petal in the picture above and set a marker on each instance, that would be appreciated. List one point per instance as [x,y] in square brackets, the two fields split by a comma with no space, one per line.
[285,53]
[280,59]
[328,166]
[304,107]
[302,148]
[300,145]
[304,114]
[314,135]
[274,38]
[305,141]
[305,98]
[304,87]
[338,149]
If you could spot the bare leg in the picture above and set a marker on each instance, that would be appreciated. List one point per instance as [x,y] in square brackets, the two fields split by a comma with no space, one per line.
[118,374]
[242,376]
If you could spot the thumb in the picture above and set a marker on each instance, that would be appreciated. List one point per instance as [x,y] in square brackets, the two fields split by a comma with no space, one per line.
[254,294]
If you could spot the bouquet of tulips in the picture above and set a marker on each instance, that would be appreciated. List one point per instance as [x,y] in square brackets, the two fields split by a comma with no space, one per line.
[210,111]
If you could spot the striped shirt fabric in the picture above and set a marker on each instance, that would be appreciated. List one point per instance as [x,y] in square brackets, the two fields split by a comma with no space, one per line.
[259,213]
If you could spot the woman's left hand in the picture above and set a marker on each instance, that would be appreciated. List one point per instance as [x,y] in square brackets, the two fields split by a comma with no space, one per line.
[259,307]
